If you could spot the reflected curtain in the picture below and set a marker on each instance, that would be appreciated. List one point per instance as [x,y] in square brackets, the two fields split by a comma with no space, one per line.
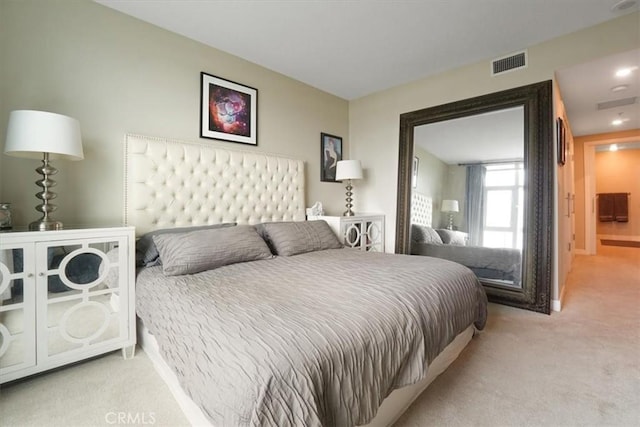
[474,205]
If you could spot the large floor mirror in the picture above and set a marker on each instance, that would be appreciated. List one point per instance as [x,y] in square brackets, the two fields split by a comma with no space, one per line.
[475,185]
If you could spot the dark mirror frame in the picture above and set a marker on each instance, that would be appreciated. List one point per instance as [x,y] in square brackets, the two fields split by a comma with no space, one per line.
[537,259]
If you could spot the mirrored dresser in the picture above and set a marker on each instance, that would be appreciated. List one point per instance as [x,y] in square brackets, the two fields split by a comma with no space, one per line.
[65,295]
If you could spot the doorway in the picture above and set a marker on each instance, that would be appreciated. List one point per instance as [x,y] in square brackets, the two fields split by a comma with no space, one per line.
[590,199]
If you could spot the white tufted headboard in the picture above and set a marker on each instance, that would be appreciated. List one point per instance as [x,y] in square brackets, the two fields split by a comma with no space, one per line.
[421,209]
[172,183]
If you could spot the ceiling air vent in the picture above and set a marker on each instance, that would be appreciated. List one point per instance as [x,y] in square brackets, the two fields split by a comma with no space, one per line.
[617,103]
[508,63]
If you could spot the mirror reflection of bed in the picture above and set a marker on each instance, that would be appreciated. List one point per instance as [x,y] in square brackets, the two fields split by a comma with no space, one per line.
[467,204]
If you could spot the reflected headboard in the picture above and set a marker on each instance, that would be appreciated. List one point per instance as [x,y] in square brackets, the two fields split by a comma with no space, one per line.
[421,209]
[171,183]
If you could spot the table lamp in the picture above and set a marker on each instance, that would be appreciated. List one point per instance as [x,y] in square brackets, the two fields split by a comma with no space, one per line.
[40,134]
[348,170]
[450,207]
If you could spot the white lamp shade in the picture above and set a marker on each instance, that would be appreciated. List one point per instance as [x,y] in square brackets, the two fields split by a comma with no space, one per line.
[450,206]
[348,169]
[31,133]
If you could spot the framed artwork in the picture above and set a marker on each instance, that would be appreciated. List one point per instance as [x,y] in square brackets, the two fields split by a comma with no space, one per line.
[414,172]
[562,141]
[330,154]
[228,110]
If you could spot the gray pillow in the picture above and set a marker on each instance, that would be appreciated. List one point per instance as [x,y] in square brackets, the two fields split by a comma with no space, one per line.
[452,237]
[196,251]
[146,252]
[424,234]
[292,238]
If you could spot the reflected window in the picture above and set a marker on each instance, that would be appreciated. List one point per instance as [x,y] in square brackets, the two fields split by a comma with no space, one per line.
[504,205]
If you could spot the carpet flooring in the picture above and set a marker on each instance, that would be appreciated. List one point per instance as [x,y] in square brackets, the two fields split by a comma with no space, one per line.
[579,367]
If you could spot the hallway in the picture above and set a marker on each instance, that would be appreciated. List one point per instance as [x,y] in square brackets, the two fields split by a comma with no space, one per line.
[607,283]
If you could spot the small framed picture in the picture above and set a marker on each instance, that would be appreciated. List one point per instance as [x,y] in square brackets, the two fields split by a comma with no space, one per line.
[228,110]
[414,173]
[330,154]
[562,141]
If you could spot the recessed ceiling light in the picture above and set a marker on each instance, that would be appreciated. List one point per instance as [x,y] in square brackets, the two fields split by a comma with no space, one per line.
[619,88]
[620,120]
[613,147]
[624,72]
[623,5]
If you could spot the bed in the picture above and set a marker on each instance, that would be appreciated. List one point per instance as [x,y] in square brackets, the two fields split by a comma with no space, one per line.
[501,265]
[316,334]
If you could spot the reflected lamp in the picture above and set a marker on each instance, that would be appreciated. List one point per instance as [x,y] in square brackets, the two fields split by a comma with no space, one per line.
[450,207]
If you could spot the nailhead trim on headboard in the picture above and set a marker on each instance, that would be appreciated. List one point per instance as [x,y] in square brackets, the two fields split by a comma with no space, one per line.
[171,183]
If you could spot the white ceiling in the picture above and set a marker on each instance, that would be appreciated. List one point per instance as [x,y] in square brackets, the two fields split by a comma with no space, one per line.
[497,135]
[584,86]
[354,48]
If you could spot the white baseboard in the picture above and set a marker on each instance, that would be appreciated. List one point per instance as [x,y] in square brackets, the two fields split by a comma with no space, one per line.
[556,304]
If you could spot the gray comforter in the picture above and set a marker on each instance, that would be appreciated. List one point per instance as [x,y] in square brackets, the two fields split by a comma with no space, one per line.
[314,339]
[487,263]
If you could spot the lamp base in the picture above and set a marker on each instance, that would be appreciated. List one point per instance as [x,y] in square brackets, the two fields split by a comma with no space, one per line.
[450,225]
[46,195]
[45,225]
[349,212]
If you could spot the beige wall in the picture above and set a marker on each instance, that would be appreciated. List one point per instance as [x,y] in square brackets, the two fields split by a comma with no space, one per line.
[564,191]
[619,172]
[455,189]
[441,181]
[116,74]
[579,143]
[432,174]
[374,119]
